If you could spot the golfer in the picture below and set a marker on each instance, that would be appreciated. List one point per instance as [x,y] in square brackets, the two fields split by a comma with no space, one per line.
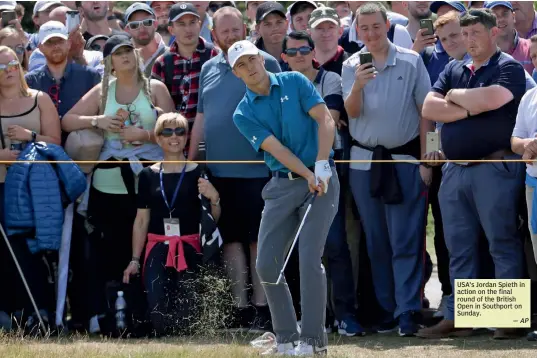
[283,115]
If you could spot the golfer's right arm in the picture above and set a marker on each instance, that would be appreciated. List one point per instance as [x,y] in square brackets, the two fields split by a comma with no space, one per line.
[285,156]
[261,138]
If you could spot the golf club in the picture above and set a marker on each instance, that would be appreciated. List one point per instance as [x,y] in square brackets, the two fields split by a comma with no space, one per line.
[296,237]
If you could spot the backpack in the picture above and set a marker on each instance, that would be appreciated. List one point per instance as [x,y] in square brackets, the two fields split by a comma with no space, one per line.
[169,63]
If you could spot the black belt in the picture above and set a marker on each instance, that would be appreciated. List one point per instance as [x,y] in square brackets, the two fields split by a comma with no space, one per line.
[295,176]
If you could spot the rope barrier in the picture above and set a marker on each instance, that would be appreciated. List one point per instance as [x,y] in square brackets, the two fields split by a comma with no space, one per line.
[262,162]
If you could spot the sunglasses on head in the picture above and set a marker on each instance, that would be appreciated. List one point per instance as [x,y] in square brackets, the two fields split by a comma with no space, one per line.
[11,66]
[135,25]
[168,132]
[19,49]
[216,6]
[304,51]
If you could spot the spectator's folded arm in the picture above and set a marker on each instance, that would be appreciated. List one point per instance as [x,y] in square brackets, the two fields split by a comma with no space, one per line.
[436,108]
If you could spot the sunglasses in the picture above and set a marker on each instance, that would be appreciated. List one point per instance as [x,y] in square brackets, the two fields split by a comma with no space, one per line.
[11,66]
[135,25]
[304,51]
[96,47]
[168,132]
[19,49]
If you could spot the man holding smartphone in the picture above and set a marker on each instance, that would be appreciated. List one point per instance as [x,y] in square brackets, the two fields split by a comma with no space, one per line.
[389,195]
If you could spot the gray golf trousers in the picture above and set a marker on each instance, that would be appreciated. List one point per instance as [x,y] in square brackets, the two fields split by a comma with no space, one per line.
[286,202]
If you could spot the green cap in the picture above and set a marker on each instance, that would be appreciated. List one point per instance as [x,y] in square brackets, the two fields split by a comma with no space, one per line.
[323,14]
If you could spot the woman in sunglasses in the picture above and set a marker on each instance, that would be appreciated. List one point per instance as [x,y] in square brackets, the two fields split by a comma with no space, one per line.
[126,109]
[25,115]
[169,214]
[10,37]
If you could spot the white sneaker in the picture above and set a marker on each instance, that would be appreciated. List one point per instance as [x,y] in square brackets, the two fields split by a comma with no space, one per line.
[307,350]
[441,308]
[281,349]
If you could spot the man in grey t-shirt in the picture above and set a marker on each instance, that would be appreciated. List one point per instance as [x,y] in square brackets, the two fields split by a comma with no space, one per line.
[298,54]
[239,185]
[391,197]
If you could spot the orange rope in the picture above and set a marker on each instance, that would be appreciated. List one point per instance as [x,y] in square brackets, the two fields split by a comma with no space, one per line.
[262,162]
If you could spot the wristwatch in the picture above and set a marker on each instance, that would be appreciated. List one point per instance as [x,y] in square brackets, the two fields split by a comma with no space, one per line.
[94,122]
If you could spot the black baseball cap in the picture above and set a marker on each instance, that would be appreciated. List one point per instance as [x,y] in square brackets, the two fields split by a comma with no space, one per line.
[179,10]
[90,42]
[138,6]
[267,8]
[114,43]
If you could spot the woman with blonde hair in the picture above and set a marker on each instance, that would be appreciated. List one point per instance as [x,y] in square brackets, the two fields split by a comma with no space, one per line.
[126,109]
[10,37]
[168,220]
[26,115]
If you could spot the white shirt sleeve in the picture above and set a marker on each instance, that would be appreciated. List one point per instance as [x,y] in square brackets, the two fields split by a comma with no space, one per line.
[402,38]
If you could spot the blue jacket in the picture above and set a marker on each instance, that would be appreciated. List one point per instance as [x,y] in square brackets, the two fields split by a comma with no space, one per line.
[35,194]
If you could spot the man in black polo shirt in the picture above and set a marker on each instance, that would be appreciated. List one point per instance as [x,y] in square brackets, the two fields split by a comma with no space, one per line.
[477,100]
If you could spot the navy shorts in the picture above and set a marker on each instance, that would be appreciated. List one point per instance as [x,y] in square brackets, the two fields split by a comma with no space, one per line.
[242,206]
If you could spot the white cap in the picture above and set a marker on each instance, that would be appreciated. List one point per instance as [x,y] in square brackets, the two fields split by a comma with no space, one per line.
[52,29]
[239,49]
[42,5]
[8,5]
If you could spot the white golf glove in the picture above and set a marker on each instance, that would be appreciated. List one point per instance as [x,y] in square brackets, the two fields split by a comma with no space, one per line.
[323,172]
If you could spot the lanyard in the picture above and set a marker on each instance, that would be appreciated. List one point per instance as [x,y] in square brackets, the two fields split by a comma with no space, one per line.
[176,189]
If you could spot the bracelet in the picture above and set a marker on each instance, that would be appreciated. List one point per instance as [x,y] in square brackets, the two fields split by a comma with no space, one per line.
[134,258]
[217,203]
[136,263]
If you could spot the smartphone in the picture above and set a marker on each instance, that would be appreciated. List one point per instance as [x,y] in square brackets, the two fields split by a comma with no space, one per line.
[8,16]
[433,142]
[72,20]
[16,146]
[366,57]
[428,25]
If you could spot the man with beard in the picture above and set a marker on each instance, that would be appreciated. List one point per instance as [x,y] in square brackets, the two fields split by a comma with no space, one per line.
[142,26]
[94,14]
[219,94]
[64,81]
[417,11]
[77,52]
[162,13]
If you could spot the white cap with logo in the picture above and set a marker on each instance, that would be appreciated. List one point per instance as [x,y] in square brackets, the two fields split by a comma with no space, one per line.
[239,49]
[52,29]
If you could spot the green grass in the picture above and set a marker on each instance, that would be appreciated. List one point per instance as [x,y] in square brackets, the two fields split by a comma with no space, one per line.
[238,347]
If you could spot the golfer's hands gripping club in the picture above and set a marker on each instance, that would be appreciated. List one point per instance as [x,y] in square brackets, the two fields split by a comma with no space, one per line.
[320,179]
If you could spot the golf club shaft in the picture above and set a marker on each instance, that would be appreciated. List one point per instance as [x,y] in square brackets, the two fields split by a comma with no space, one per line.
[8,244]
[296,237]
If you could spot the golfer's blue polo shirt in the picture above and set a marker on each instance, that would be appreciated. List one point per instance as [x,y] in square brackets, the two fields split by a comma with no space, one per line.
[480,136]
[283,114]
